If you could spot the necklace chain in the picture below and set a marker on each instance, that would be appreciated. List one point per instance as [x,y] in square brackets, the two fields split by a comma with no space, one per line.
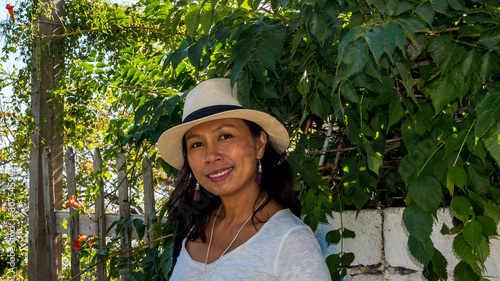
[230,244]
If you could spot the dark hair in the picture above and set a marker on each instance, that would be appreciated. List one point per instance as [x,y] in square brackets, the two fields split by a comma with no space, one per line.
[277,182]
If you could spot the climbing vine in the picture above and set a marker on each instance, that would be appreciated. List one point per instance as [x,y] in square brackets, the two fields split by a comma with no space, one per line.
[388,103]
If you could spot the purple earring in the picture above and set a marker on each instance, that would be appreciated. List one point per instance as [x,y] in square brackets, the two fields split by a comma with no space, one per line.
[196,196]
[258,178]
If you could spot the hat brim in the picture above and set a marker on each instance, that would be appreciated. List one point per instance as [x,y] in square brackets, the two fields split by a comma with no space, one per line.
[170,142]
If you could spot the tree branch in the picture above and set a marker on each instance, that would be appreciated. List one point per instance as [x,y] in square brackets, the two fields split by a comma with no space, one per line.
[79,32]
[277,15]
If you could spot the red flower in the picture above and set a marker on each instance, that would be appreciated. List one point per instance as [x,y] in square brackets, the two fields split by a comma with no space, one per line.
[77,243]
[72,202]
[10,8]
[90,243]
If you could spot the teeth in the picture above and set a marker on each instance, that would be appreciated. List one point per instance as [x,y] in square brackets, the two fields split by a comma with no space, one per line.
[220,174]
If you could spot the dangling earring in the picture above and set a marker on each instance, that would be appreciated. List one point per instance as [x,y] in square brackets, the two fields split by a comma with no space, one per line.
[196,196]
[258,177]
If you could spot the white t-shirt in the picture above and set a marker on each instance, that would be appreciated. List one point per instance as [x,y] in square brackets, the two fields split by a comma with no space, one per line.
[283,249]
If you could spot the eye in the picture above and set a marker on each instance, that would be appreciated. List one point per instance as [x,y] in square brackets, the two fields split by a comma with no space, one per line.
[226,136]
[196,144]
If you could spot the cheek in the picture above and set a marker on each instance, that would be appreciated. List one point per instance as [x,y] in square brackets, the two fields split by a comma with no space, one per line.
[194,161]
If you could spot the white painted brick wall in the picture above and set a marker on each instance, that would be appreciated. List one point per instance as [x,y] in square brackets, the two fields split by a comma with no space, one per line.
[380,246]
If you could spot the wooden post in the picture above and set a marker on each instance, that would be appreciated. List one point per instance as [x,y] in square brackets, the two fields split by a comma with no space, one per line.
[100,219]
[121,167]
[74,222]
[149,196]
[47,62]
[55,271]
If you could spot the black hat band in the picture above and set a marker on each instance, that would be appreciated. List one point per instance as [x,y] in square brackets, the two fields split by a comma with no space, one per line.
[209,110]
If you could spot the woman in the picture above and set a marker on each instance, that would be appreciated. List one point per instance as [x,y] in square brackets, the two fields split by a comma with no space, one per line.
[234,198]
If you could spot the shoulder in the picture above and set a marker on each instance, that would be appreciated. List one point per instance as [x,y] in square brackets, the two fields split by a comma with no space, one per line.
[288,228]
[286,218]
[299,242]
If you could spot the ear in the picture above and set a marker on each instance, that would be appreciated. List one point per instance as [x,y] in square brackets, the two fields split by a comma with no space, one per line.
[261,142]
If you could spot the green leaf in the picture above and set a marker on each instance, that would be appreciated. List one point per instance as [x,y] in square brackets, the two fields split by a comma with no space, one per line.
[139,227]
[347,233]
[476,201]
[438,47]
[407,79]
[422,251]
[418,222]
[454,142]
[446,89]
[206,14]
[356,194]
[245,83]
[493,211]
[426,12]
[458,176]
[463,249]
[440,6]
[461,208]
[192,19]
[440,263]
[396,111]
[345,41]
[488,225]
[492,143]
[333,262]
[490,38]
[485,69]
[453,56]
[457,4]
[320,105]
[470,62]
[349,92]
[488,113]
[268,49]
[389,38]
[317,24]
[194,54]
[346,259]
[402,7]
[473,233]
[258,70]
[478,179]
[375,42]
[310,173]
[333,237]
[399,35]
[483,252]
[355,56]
[463,272]
[426,193]
[373,158]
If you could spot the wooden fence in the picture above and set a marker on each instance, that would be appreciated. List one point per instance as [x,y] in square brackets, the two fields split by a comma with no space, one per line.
[97,223]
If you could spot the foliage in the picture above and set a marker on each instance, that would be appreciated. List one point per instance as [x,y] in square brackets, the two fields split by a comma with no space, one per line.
[397,102]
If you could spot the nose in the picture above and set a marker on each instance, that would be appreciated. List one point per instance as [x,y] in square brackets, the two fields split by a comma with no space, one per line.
[212,154]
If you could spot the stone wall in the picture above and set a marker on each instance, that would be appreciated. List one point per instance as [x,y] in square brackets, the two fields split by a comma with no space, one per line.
[380,246]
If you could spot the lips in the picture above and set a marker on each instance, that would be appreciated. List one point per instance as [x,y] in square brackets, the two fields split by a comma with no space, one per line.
[219,175]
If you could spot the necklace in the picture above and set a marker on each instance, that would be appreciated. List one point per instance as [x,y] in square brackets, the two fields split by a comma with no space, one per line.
[230,244]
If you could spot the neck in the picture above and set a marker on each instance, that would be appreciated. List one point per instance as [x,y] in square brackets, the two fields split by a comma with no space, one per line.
[240,208]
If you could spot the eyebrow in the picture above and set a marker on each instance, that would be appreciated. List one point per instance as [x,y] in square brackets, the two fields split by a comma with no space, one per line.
[218,128]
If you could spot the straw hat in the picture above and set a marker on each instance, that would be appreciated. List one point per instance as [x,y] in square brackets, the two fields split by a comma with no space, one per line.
[214,99]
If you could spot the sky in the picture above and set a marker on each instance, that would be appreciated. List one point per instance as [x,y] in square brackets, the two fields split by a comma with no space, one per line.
[9,65]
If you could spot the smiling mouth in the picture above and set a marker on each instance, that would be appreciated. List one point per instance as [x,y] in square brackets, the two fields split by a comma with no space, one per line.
[223,173]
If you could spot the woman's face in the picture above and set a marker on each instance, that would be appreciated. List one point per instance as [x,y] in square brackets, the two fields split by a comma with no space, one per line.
[223,155]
